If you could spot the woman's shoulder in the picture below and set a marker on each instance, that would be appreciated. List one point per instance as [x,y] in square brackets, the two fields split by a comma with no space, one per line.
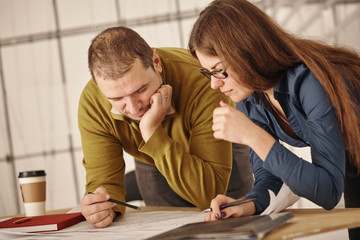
[304,90]
[297,79]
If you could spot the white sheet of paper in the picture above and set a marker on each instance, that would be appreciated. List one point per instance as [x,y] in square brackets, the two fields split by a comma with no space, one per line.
[285,198]
[134,225]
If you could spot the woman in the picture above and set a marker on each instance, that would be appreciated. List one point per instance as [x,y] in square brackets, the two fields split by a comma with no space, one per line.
[302,92]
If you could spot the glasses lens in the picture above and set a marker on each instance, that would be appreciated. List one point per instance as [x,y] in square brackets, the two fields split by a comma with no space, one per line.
[221,74]
[205,73]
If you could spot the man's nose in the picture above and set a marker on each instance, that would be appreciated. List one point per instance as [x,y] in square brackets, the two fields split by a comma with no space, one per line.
[133,106]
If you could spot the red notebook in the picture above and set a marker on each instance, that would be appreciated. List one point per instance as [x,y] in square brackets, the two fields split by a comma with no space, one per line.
[43,223]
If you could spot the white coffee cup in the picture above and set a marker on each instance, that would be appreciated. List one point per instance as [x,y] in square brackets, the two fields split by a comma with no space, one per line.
[33,191]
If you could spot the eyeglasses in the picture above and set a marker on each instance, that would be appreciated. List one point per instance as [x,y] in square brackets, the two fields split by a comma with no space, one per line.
[220,74]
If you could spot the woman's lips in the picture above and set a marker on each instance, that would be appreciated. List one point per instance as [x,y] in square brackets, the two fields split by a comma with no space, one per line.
[227,93]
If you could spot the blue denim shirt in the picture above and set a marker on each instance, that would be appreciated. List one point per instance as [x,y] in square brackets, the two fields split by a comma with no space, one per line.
[312,118]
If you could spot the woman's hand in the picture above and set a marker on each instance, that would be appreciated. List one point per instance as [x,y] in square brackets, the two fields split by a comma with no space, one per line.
[234,126]
[245,209]
[231,125]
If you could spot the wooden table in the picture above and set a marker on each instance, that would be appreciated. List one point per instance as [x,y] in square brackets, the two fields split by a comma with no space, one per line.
[313,221]
[306,222]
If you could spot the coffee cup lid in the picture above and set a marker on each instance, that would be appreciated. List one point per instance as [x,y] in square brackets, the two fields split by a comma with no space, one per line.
[36,173]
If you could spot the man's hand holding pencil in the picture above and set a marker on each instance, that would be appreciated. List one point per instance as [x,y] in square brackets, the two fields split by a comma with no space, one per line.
[97,206]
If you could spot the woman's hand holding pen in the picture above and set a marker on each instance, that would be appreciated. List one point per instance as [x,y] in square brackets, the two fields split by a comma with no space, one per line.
[245,209]
[96,209]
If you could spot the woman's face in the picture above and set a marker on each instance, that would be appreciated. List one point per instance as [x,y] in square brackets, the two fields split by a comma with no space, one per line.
[228,85]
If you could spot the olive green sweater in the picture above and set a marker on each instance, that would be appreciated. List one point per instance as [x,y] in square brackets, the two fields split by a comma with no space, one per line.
[195,164]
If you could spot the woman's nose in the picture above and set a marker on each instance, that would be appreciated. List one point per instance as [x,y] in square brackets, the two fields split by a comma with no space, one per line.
[216,83]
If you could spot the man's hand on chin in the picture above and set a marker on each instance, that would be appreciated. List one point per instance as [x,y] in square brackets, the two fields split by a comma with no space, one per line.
[160,104]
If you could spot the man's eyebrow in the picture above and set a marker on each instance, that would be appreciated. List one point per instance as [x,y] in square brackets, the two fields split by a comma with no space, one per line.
[142,87]
[137,90]
[113,98]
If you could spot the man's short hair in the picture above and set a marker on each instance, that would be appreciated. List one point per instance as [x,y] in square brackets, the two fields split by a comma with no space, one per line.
[113,52]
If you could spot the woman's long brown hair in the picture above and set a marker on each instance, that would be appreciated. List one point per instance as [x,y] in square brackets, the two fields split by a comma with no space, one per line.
[258,50]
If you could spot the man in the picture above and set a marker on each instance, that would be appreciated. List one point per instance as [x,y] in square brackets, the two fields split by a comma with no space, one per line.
[155,105]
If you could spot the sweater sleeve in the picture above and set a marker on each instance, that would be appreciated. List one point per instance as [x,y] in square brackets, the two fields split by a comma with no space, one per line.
[103,153]
[200,171]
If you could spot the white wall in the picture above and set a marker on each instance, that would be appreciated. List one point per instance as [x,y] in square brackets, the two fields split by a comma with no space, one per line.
[43,78]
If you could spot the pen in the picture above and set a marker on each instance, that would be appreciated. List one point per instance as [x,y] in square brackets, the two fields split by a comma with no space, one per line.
[21,220]
[235,203]
[122,203]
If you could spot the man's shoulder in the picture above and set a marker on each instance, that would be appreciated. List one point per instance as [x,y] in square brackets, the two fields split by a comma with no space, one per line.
[172,51]
[89,88]
[173,55]
[91,93]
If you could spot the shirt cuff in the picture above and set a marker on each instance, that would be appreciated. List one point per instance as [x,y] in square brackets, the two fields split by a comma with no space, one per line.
[158,144]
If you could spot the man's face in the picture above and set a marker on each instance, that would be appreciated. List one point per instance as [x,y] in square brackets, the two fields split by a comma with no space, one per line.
[130,94]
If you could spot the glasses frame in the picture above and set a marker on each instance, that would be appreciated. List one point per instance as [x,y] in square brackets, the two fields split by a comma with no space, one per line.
[219,74]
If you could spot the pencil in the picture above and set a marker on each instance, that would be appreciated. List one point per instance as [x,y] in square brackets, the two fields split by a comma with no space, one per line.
[235,203]
[122,203]
[21,220]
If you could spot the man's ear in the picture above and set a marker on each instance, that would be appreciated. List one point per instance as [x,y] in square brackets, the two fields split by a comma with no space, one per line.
[157,61]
